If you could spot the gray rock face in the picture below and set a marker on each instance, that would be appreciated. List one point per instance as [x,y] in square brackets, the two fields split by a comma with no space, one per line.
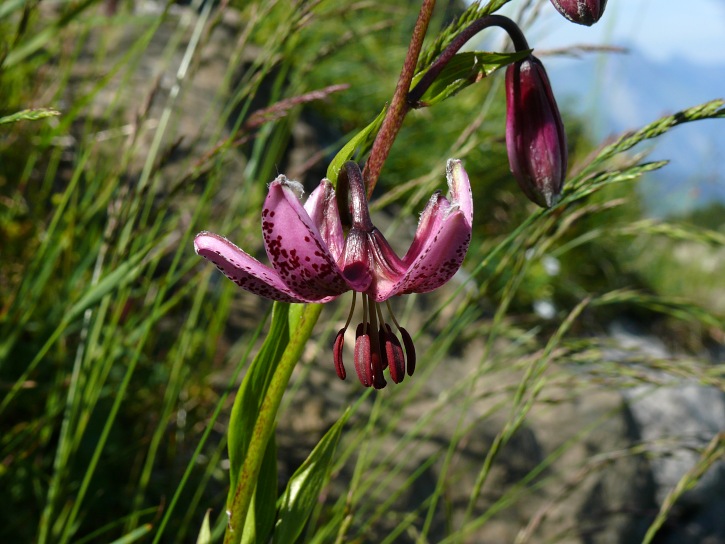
[677,419]
[682,418]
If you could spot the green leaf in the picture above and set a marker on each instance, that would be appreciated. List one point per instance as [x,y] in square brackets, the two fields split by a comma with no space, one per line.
[252,391]
[463,70]
[362,139]
[303,489]
[29,115]
[205,531]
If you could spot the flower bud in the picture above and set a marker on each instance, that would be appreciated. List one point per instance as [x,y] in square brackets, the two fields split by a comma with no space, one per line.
[535,137]
[583,12]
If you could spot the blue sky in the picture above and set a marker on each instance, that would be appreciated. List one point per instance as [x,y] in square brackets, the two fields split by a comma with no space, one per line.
[661,29]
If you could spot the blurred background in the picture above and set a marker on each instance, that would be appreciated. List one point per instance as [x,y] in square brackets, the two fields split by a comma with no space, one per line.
[570,379]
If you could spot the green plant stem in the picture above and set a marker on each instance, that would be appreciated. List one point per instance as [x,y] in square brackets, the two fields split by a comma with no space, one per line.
[399,105]
[513,30]
[264,427]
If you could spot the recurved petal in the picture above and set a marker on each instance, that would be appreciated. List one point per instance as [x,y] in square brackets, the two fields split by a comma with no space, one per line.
[245,270]
[295,246]
[321,206]
[460,188]
[442,238]
[440,258]
[438,207]
[429,222]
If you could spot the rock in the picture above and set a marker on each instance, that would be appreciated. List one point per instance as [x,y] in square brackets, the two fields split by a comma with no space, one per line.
[677,419]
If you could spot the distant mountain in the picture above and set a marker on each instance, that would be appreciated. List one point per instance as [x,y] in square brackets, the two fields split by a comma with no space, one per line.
[625,91]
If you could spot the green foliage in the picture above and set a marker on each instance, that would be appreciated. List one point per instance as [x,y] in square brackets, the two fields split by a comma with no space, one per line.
[205,531]
[303,489]
[464,70]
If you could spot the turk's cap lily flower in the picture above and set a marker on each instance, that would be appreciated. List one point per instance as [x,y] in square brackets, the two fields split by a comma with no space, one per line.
[313,261]
[583,12]
[535,135]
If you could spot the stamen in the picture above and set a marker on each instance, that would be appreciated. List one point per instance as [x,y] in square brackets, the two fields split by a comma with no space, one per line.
[340,342]
[337,354]
[409,350]
[392,315]
[365,314]
[376,358]
[381,320]
[392,353]
[362,356]
[407,342]
[352,309]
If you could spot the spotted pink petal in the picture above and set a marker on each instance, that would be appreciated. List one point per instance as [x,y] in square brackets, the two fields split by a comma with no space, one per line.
[295,246]
[438,208]
[430,222]
[441,240]
[245,270]
[321,206]
[440,258]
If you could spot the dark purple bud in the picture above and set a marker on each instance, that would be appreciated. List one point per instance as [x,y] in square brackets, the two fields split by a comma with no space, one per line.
[583,12]
[337,353]
[535,136]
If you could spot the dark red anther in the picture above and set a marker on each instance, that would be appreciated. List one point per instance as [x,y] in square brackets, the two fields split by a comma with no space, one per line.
[363,363]
[409,350]
[378,377]
[337,354]
[392,353]
[376,360]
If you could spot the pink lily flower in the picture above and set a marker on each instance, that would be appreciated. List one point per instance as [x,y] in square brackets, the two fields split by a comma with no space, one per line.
[313,261]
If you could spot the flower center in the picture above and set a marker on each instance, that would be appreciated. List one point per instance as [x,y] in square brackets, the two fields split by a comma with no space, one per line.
[376,346]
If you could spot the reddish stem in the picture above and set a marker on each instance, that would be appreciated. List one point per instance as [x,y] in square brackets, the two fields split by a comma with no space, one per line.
[399,105]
